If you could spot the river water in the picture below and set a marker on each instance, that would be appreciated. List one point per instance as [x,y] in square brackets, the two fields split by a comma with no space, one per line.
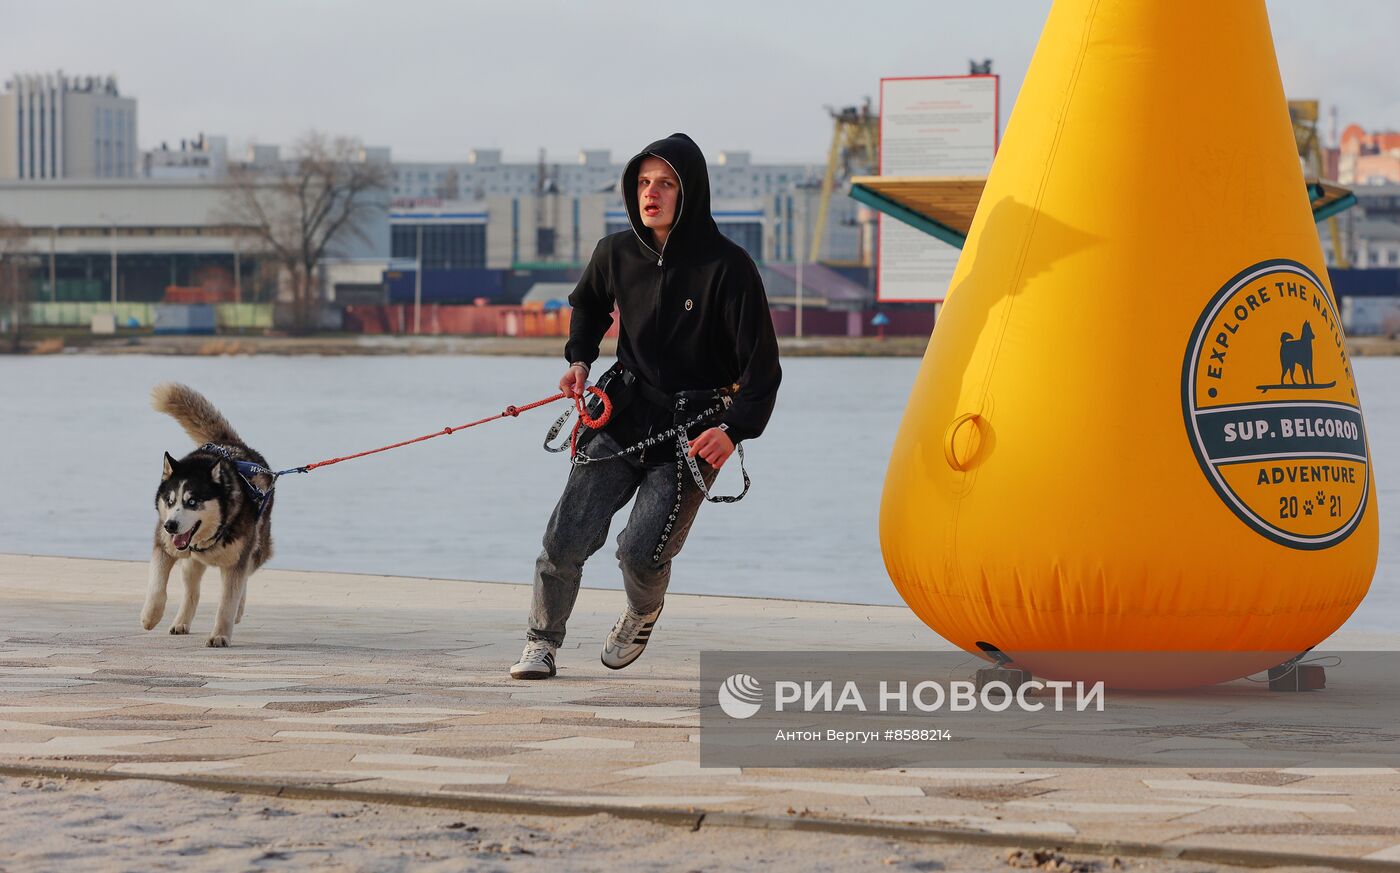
[80,456]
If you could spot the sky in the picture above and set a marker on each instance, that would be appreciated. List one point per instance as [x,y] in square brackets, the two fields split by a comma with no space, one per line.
[433,79]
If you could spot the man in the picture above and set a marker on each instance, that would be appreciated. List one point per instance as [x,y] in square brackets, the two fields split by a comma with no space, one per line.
[694,316]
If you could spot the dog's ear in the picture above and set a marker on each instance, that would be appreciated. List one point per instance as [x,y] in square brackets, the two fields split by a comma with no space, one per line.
[170,465]
[216,472]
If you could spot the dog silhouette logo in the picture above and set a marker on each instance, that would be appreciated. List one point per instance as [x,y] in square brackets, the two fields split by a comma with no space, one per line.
[1295,355]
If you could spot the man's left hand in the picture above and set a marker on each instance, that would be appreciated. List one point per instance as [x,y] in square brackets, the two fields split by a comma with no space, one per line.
[714,446]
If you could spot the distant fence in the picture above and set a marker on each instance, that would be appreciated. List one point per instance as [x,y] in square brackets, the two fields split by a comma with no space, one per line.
[443,319]
[435,319]
[228,316]
[439,319]
[835,322]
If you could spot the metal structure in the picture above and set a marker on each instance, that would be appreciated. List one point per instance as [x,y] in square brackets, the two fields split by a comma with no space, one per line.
[1304,115]
[546,211]
[855,150]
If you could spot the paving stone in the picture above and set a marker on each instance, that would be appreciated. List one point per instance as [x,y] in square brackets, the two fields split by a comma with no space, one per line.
[81,745]
[342,737]
[414,760]
[250,701]
[427,777]
[1271,805]
[17,726]
[1113,809]
[851,789]
[987,824]
[392,698]
[1206,786]
[175,768]
[1390,853]
[329,720]
[579,744]
[671,769]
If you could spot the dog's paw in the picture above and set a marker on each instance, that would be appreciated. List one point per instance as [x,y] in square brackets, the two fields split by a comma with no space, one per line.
[150,616]
[217,641]
[179,629]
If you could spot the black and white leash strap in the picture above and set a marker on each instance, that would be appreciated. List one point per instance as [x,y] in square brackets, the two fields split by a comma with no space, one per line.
[682,449]
[683,454]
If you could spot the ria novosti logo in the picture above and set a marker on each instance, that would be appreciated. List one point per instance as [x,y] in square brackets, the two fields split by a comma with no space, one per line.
[740,696]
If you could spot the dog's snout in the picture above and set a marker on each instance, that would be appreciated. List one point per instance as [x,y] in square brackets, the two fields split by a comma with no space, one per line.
[171,526]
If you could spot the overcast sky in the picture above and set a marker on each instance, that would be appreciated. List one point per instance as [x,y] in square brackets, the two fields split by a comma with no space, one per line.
[434,78]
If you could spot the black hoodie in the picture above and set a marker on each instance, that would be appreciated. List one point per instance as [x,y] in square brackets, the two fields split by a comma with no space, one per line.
[694,314]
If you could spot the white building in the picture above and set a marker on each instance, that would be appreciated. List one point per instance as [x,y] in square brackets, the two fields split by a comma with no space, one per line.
[198,158]
[56,127]
[1370,231]
[767,208]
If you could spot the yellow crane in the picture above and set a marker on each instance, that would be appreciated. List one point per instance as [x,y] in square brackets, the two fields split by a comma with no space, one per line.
[855,150]
[1304,115]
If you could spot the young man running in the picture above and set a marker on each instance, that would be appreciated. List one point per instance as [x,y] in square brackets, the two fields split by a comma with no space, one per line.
[695,325]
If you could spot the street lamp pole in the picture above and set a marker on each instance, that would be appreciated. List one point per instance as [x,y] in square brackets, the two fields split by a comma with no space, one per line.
[418,286]
[112,233]
[238,266]
[806,188]
[801,256]
[112,239]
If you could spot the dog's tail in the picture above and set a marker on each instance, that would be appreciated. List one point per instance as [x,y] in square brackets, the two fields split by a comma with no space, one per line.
[195,414]
[1286,338]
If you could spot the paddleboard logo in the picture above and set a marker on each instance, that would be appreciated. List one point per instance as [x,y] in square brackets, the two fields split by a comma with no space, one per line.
[1271,407]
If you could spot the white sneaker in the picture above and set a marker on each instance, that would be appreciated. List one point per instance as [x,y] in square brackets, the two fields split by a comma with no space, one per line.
[536,662]
[629,637]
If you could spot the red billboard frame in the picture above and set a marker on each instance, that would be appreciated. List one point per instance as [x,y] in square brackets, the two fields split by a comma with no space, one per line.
[880,163]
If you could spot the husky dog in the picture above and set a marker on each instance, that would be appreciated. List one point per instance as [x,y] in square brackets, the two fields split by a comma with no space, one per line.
[208,515]
[1296,353]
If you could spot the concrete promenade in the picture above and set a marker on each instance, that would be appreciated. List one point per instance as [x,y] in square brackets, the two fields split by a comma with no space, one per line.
[395,690]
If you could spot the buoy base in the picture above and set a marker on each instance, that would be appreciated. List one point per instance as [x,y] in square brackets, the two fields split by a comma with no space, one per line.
[1013,678]
[1297,677]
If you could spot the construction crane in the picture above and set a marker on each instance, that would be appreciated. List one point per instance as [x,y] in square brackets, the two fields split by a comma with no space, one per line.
[855,151]
[1304,115]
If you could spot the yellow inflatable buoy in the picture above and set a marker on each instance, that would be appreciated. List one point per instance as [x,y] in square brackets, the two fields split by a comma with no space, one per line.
[1136,427]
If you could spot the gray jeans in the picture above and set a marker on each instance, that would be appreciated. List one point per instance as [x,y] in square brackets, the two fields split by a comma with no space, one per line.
[579,525]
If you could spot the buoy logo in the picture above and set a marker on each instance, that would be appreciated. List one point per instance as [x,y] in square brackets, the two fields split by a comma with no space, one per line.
[1271,407]
[740,696]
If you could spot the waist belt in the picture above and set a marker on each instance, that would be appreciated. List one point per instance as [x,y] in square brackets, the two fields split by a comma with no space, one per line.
[668,401]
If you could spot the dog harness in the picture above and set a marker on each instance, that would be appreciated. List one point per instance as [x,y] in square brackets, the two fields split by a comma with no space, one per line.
[246,470]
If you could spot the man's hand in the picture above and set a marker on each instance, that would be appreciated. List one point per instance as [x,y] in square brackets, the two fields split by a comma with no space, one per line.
[573,380]
[714,446]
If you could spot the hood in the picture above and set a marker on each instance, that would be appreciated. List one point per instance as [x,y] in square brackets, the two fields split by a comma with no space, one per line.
[694,224]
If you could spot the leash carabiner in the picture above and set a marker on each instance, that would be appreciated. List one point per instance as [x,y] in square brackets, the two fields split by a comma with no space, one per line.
[584,420]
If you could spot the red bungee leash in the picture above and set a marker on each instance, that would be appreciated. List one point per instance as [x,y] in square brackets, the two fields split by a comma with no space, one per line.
[584,420]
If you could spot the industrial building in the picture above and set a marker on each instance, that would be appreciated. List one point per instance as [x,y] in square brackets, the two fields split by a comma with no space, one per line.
[58,127]
[103,223]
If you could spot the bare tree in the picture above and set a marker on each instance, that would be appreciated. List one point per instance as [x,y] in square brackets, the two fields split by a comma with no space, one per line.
[450,188]
[15,264]
[300,210]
